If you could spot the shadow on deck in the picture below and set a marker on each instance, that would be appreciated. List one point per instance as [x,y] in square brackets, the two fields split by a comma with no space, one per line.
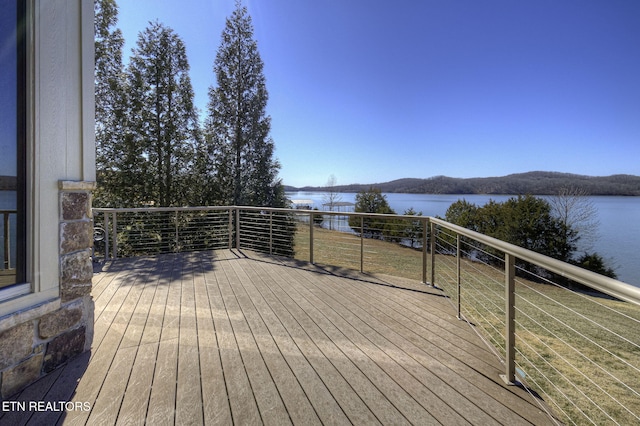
[235,337]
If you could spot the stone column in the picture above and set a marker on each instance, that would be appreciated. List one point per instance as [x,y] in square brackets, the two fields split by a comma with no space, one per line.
[46,336]
[76,273]
[76,239]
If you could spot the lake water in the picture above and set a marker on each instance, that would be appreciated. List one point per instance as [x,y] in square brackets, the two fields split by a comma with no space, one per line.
[619,217]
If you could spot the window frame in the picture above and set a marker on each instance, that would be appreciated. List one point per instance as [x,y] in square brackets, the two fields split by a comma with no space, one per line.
[21,110]
[23,25]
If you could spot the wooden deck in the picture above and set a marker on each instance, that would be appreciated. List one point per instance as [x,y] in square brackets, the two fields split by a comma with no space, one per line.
[230,337]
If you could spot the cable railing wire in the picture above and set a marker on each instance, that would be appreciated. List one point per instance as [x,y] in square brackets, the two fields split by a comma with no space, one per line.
[486,309]
[479,315]
[567,379]
[551,399]
[586,338]
[594,323]
[570,362]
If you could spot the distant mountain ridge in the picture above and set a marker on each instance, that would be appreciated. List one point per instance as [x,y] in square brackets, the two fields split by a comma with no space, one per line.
[534,183]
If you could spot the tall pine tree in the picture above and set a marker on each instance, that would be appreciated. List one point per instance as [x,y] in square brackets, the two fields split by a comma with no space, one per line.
[111,104]
[244,170]
[164,123]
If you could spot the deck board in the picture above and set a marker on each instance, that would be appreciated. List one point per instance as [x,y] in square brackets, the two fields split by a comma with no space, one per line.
[216,409]
[303,358]
[405,361]
[136,396]
[376,368]
[242,401]
[235,337]
[188,390]
[288,387]
[349,385]
[162,400]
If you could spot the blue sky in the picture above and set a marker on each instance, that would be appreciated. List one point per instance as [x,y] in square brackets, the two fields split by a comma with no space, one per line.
[371,91]
[8,61]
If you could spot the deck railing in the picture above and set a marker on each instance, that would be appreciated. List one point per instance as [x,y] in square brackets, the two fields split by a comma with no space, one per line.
[5,229]
[7,263]
[568,335]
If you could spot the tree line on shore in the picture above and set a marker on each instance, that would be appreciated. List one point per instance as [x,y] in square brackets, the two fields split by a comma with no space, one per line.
[563,227]
[534,183]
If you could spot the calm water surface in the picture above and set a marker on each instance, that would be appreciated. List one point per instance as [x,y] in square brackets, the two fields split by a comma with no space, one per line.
[619,217]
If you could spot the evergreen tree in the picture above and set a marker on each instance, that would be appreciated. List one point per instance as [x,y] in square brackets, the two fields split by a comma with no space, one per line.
[596,263]
[164,126]
[110,101]
[243,168]
[372,201]
[463,213]
[413,230]
[525,221]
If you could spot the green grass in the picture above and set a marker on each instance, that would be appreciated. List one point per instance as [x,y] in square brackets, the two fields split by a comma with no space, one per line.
[566,356]
[342,249]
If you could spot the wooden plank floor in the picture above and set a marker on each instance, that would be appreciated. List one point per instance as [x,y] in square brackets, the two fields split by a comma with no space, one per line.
[231,337]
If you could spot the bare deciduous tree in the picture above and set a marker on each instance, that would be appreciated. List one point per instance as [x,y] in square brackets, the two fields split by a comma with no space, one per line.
[331,197]
[576,211]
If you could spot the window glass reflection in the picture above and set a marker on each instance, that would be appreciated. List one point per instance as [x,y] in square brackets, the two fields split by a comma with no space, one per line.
[8,141]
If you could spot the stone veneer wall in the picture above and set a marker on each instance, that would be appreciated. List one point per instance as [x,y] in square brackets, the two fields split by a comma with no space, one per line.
[62,329]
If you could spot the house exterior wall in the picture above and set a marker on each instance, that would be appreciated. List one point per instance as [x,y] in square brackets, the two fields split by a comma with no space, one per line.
[51,319]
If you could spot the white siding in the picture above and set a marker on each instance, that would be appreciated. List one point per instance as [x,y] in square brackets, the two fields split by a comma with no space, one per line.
[61,144]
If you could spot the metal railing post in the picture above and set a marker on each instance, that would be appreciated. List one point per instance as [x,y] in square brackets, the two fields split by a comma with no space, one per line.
[177,249]
[458,273]
[7,238]
[510,322]
[361,243]
[106,235]
[115,235]
[432,246]
[311,237]
[237,228]
[230,228]
[270,232]
[424,251]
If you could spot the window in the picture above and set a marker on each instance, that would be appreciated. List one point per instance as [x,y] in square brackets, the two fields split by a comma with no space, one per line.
[12,143]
